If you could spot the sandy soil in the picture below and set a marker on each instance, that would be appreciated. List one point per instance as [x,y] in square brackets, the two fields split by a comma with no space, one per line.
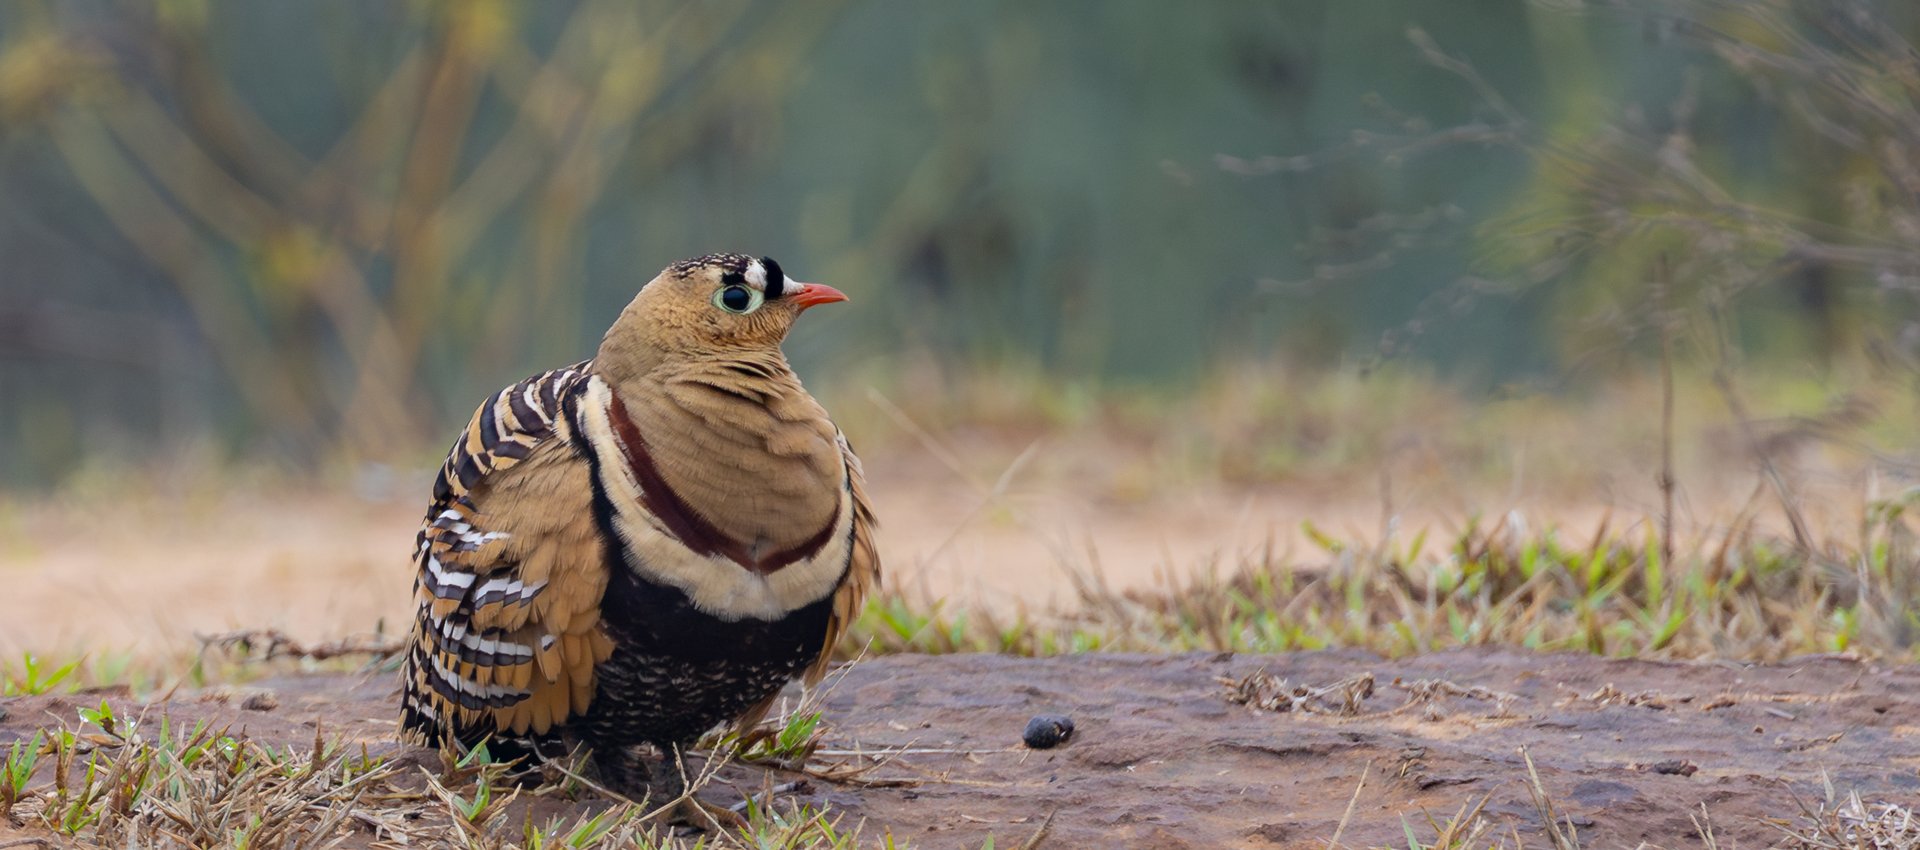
[1162,759]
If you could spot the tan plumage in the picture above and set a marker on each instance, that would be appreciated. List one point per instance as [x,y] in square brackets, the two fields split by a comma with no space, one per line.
[863,566]
[511,507]
[648,542]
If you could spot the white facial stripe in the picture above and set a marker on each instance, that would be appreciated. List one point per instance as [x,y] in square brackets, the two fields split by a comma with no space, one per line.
[757,276]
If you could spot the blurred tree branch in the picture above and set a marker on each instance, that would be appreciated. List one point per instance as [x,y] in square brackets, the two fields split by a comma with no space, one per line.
[370,253]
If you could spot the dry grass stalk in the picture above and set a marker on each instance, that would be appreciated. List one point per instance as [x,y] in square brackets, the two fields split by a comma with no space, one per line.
[1561,832]
[1264,692]
[1849,823]
[1428,693]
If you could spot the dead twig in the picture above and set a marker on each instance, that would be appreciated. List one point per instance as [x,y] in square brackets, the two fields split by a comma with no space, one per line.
[1662,286]
[1040,834]
[273,643]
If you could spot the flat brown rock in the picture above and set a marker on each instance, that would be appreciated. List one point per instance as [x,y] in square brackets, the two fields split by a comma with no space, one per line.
[1629,750]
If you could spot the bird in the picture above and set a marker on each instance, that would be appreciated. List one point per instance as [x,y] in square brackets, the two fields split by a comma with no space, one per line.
[629,551]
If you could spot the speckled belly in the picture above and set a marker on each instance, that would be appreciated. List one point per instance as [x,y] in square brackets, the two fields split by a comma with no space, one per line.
[676,672]
[662,700]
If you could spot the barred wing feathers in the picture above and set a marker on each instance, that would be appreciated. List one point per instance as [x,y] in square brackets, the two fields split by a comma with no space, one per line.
[510,570]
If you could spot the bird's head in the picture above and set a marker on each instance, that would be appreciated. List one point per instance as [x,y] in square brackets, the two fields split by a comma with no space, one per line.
[712,304]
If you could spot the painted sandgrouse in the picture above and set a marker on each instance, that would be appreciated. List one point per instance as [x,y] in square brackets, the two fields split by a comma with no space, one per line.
[636,548]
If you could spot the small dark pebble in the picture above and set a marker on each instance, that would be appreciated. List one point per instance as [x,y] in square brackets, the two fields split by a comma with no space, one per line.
[1046,731]
[1674,767]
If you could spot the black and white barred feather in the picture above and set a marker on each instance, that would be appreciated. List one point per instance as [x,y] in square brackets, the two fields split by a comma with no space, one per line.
[476,654]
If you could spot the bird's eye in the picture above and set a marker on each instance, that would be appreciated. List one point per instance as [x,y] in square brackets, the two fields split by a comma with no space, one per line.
[738,299]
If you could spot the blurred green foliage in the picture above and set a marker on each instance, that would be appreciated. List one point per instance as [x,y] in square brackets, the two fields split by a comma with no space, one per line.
[321,226]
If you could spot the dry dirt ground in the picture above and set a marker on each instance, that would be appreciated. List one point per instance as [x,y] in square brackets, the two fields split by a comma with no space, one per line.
[1632,751]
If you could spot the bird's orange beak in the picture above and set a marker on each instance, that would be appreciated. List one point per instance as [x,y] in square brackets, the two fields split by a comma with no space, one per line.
[816,294]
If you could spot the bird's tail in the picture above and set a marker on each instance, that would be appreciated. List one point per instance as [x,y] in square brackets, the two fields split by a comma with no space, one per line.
[427,721]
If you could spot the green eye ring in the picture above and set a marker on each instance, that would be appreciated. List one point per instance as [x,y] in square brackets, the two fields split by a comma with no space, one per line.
[738,299]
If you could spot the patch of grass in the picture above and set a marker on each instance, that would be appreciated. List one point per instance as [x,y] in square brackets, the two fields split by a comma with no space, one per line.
[36,676]
[793,740]
[107,782]
[1466,829]
[111,778]
[22,758]
[1742,595]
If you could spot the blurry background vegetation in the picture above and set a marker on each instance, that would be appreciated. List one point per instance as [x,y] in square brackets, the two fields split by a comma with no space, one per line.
[324,229]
